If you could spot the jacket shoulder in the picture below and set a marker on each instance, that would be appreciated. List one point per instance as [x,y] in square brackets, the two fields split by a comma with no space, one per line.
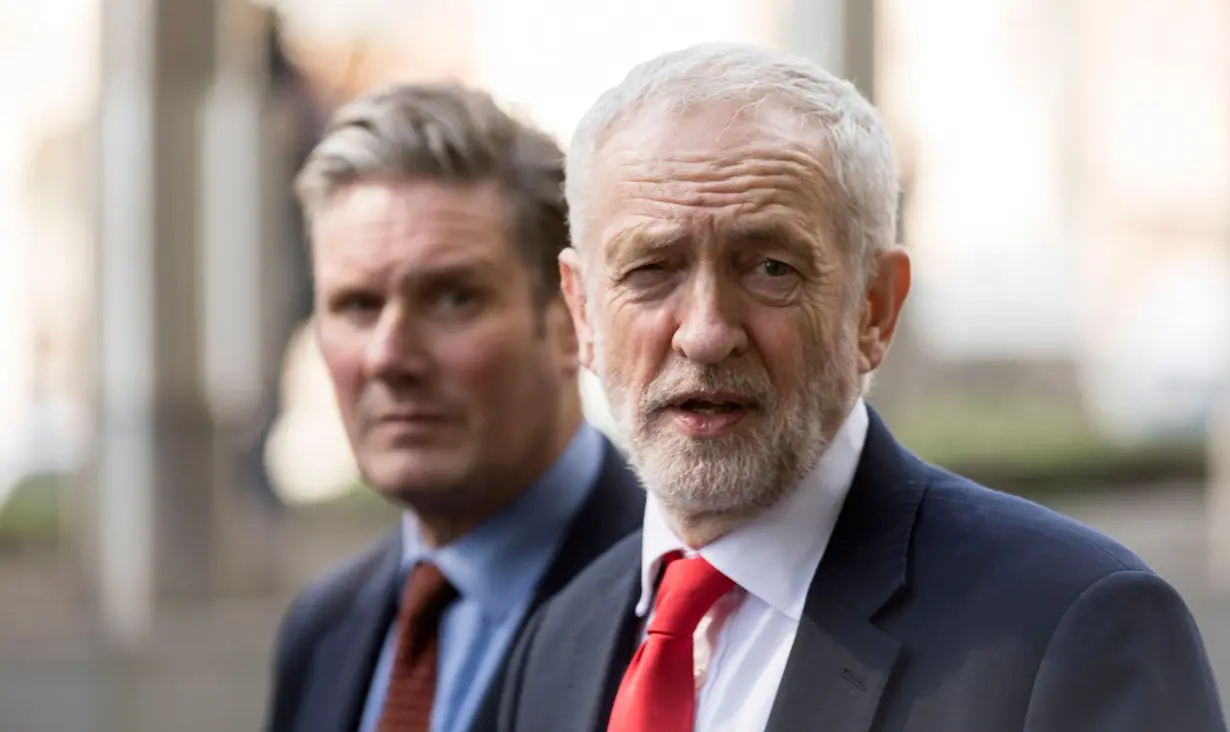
[310,614]
[1011,552]
[320,604]
[1009,524]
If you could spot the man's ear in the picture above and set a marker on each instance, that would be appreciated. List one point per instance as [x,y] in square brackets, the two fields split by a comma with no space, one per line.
[572,282]
[885,295]
[557,324]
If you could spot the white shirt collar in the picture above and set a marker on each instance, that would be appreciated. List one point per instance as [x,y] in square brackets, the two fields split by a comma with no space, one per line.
[775,555]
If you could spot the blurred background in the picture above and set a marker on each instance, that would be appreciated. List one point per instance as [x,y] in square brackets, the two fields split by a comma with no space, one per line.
[171,468]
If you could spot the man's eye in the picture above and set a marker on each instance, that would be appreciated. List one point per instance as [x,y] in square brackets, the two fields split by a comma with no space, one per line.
[773,279]
[359,303]
[453,302]
[774,268]
[458,298]
[646,274]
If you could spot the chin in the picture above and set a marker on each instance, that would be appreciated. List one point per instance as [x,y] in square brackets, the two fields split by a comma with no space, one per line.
[416,481]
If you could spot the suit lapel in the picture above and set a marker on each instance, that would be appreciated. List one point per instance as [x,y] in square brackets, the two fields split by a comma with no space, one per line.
[841,662]
[836,673]
[345,657]
[597,649]
[614,509]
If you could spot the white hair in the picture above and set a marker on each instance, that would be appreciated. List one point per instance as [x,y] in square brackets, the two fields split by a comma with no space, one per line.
[861,170]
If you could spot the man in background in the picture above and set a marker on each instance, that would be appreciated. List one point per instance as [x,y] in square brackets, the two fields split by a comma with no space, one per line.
[436,221]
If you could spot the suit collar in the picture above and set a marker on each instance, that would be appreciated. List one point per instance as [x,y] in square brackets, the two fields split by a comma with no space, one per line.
[342,664]
[601,643]
[841,661]
[867,559]
[612,511]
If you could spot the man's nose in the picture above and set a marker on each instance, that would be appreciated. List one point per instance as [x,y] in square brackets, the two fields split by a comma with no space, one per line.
[395,349]
[711,327]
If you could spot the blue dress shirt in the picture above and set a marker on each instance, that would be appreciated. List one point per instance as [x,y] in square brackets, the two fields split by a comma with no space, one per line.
[496,569]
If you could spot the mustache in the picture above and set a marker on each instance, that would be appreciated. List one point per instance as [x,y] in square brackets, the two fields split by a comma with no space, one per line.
[749,385]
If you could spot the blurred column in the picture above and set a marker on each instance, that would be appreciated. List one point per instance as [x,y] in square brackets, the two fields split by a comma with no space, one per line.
[243,219]
[838,34]
[177,167]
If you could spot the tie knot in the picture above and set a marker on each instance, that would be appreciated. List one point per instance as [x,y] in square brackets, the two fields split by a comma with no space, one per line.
[425,595]
[688,589]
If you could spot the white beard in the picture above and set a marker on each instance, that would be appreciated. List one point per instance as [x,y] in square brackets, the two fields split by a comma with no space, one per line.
[751,469]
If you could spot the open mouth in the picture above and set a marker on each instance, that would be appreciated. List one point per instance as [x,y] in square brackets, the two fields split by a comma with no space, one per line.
[707,406]
[709,415]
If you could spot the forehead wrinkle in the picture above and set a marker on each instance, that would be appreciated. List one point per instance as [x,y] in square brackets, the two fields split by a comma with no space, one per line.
[752,191]
[749,177]
[704,166]
[645,177]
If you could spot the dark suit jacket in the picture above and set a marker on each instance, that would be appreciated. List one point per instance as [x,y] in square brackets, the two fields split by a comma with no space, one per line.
[331,637]
[939,606]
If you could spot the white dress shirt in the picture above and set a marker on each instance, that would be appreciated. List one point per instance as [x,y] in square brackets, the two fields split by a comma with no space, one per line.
[742,644]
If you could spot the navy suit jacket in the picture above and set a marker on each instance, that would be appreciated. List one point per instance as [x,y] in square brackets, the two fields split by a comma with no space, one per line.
[331,636]
[939,606]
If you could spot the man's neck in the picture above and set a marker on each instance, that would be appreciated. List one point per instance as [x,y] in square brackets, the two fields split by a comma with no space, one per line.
[440,527]
[700,529]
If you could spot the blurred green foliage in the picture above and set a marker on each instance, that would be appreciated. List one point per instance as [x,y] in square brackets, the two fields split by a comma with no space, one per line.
[1038,445]
[32,512]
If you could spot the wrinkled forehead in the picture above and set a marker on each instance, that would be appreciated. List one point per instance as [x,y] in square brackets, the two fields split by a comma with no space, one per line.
[709,172]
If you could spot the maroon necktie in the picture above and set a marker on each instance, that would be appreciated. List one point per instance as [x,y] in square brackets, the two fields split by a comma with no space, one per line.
[412,681]
[658,692]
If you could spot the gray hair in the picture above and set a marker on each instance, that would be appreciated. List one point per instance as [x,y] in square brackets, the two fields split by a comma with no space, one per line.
[451,134]
[861,171]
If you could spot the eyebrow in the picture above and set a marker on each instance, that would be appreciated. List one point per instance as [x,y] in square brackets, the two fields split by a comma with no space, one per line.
[777,233]
[431,274]
[642,240]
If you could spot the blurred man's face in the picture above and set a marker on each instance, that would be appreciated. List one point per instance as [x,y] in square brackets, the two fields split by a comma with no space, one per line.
[448,375]
[717,306]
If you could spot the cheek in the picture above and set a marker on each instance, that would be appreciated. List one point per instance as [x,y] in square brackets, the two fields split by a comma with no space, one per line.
[343,360]
[792,346]
[481,368]
[634,343]
[780,342]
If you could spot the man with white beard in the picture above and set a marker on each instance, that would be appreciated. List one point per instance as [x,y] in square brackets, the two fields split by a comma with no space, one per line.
[735,280]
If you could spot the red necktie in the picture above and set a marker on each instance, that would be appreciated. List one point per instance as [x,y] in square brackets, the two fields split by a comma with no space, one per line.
[412,682]
[658,692]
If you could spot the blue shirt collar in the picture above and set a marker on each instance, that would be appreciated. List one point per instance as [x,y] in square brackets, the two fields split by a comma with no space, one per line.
[499,563]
